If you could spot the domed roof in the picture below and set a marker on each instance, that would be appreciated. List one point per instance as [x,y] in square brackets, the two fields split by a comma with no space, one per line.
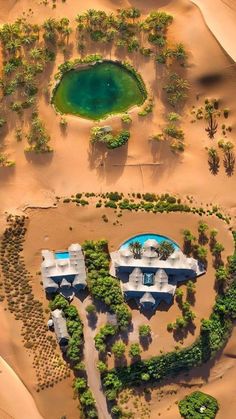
[48,263]
[151,243]
[126,252]
[74,247]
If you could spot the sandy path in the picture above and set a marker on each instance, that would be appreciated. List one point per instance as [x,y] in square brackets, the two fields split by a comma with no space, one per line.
[90,359]
[220,16]
[10,385]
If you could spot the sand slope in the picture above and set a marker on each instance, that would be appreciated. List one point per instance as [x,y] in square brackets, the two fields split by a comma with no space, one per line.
[220,16]
[23,406]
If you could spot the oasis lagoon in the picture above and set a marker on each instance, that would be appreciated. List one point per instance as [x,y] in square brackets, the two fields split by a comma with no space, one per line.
[98,91]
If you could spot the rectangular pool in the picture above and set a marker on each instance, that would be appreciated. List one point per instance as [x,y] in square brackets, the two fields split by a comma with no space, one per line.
[62,255]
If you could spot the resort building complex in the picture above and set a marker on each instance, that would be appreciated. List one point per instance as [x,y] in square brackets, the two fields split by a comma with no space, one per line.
[147,278]
[64,272]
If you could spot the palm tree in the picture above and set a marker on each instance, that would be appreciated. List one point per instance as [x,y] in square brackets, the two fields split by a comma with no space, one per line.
[202,229]
[210,116]
[213,160]
[133,13]
[229,162]
[165,249]
[136,249]
[189,238]
[218,249]
[201,253]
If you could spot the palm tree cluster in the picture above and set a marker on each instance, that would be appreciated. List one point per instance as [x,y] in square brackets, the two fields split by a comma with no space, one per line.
[228,158]
[38,137]
[163,251]
[126,30]
[27,50]
[176,89]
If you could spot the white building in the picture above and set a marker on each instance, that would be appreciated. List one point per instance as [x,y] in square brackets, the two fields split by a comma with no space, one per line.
[149,279]
[63,271]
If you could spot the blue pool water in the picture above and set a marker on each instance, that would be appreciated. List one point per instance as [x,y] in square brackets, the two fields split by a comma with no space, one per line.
[62,255]
[142,238]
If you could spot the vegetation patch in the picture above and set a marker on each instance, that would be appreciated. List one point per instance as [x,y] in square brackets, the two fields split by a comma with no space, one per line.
[102,286]
[198,405]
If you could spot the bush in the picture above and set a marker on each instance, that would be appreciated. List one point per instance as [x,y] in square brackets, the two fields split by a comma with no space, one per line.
[134,350]
[58,302]
[91,309]
[144,330]
[118,349]
[37,137]
[126,118]
[100,135]
[101,337]
[198,405]
[101,366]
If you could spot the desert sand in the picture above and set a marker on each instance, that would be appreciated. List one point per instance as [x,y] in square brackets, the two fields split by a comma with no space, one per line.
[11,387]
[207,31]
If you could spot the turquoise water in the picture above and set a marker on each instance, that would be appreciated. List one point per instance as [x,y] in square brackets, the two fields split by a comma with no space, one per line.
[142,238]
[62,255]
[97,91]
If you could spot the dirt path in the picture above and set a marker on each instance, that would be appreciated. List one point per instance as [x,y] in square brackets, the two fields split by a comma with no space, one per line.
[90,359]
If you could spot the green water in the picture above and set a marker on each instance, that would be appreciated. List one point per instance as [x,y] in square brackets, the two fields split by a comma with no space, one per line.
[97,91]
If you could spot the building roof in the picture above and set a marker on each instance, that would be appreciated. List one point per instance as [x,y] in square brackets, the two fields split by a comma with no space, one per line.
[57,273]
[147,298]
[74,247]
[161,276]
[176,263]
[151,243]
[60,327]
[65,283]
[138,285]
[49,283]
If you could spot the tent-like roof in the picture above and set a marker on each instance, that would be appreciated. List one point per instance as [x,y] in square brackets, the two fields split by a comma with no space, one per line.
[151,243]
[48,283]
[136,276]
[161,276]
[65,283]
[149,253]
[74,247]
[126,253]
[48,263]
[60,327]
[147,298]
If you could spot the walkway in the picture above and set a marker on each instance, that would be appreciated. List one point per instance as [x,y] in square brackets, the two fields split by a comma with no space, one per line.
[90,360]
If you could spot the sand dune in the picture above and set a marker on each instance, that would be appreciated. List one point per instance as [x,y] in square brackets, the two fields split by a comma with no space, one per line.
[220,16]
[73,167]
[11,386]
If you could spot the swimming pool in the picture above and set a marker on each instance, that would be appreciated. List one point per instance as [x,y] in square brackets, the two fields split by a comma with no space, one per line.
[62,255]
[142,238]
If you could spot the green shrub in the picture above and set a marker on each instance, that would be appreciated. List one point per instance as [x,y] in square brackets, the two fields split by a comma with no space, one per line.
[198,405]
[134,350]
[118,349]
[144,330]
